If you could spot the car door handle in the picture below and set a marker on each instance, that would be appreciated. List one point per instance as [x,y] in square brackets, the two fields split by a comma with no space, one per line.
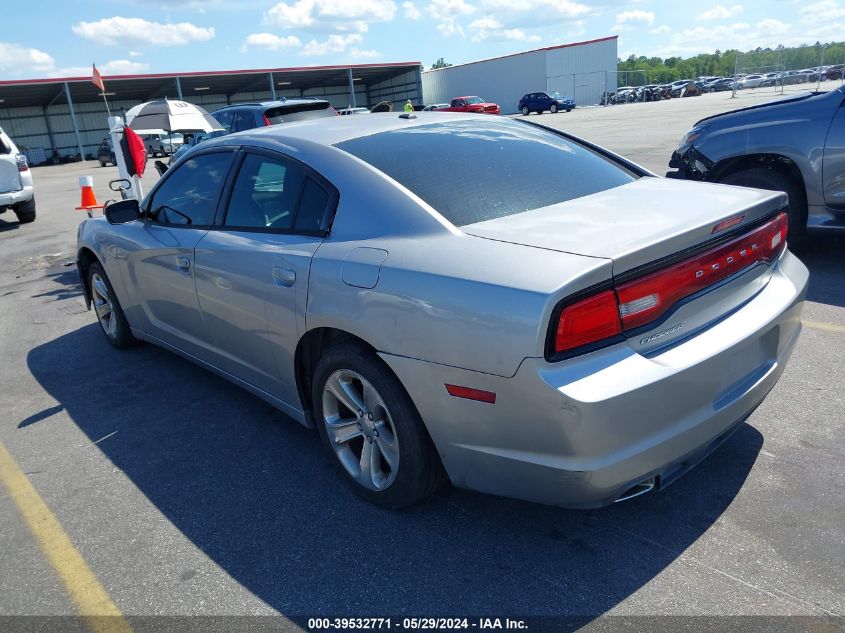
[183,263]
[284,277]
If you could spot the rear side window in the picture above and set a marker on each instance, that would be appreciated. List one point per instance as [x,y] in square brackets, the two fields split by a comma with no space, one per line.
[299,112]
[265,193]
[243,120]
[5,148]
[312,207]
[190,193]
[472,171]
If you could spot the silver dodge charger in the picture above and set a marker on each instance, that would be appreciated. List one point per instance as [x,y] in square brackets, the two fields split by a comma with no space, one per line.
[457,297]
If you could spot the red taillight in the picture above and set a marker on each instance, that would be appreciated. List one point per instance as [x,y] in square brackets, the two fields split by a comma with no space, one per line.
[266,120]
[587,321]
[22,164]
[638,302]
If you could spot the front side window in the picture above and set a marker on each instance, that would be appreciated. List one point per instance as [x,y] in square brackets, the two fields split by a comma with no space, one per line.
[191,191]
[472,171]
[265,193]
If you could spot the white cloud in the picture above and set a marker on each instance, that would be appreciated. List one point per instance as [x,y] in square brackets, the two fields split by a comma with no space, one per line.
[660,30]
[628,20]
[721,12]
[534,13]
[768,32]
[120,31]
[357,53]
[447,12]
[334,44]
[17,59]
[269,41]
[822,12]
[489,28]
[135,53]
[330,15]
[411,11]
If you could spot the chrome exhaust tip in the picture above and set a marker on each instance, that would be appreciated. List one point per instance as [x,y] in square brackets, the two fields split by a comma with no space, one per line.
[647,485]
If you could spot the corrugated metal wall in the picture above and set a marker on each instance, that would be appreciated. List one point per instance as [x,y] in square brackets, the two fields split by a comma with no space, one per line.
[503,80]
[396,90]
[581,71]
[578,71]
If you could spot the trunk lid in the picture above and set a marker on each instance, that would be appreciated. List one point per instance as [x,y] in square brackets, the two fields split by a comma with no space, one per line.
[635,224]
[642,224]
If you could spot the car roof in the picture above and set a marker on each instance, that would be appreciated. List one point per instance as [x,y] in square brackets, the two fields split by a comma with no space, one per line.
[334,130]
[267,104]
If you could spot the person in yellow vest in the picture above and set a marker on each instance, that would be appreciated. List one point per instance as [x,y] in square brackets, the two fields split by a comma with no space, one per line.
[408,107]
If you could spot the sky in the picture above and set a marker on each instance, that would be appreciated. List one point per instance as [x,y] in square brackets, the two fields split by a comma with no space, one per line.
[60,39]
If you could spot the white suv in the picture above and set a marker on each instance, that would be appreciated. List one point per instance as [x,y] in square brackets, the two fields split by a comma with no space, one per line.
[16,191]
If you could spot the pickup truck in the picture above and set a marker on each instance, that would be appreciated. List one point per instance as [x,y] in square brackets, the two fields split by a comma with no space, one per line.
[476,105]
[795,145]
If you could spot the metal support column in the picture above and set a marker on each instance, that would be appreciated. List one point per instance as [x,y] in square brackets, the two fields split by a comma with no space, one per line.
[419,85]
[351,88]
[272,86]
[179,89]
[49,130]
[73,120]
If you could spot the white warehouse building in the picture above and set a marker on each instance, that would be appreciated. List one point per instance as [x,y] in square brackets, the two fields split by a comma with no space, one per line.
[582,70]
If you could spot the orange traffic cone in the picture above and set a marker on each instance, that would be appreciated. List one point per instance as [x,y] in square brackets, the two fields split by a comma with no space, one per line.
[89,200]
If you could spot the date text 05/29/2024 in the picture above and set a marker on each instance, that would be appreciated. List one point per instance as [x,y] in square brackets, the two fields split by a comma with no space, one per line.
[432,624]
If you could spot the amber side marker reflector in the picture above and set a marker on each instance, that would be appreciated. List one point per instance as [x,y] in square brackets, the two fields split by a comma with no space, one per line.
[471,394]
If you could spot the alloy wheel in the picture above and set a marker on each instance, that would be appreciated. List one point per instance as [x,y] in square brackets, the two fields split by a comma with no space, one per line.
[360,429]
[103,306]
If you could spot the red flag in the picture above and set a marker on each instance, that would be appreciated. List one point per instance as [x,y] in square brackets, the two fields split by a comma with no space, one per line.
[134,152]
[97,79]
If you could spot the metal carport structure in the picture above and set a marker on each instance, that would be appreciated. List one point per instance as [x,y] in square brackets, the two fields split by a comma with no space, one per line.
[68,115]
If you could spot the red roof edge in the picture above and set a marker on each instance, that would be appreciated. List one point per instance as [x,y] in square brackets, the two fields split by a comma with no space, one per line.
[207,73]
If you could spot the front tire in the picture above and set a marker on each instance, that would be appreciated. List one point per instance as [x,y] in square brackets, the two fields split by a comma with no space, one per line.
[553,108]
[775,180]
[372,429]
[107,308]
[26,211]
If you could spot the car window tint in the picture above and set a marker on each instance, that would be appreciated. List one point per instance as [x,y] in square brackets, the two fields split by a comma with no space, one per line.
[190,193]
[312,207]
[224,118]
[300,112]
[265,193]
[471,171]
[5,148]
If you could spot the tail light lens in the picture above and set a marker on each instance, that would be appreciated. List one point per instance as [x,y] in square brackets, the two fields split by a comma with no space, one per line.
[22,164]
[636,303]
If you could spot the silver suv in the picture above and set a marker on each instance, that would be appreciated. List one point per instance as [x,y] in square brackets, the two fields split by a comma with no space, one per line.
[16,191]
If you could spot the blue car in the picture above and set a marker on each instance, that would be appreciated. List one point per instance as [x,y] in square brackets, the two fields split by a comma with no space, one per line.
[539,102]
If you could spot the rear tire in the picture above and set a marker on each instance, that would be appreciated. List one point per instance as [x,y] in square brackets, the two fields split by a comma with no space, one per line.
[525,111]
[775,180]
[395,433]
[26,211]
[107,308]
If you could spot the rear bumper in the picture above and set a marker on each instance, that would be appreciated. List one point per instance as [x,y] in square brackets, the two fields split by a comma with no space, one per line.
[581,433]
[10,198]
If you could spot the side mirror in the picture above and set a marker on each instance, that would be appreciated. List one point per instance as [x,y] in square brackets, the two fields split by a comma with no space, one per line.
[123,211]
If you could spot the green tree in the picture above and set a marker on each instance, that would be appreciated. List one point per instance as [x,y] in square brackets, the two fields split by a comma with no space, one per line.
[440,63]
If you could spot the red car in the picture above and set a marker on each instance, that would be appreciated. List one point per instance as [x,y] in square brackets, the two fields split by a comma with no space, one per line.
[471,104]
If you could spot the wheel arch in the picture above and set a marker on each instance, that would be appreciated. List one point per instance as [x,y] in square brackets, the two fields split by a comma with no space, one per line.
[313,344]
[85,257]
[777,162]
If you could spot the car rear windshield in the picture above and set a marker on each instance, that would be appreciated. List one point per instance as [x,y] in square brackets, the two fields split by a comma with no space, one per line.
[471,171]
[299,112]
